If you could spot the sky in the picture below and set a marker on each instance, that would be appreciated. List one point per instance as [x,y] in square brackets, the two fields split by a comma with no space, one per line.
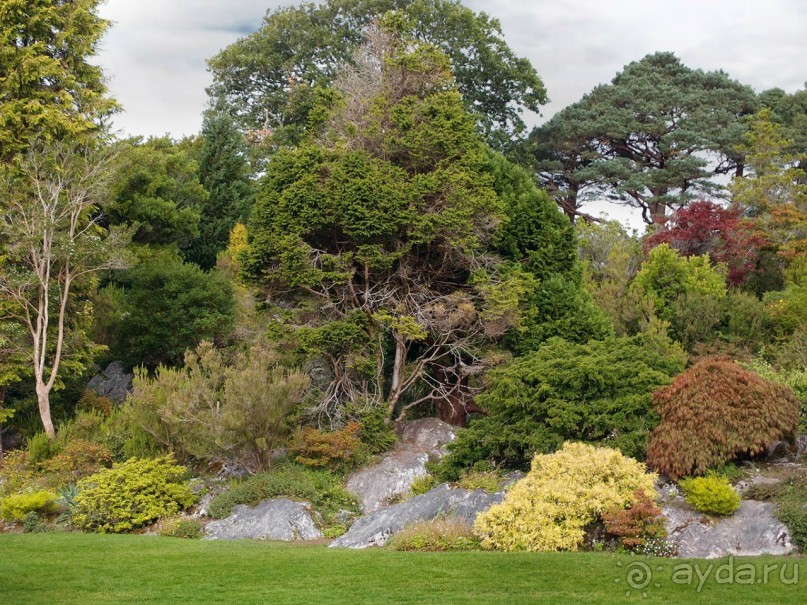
[155,54]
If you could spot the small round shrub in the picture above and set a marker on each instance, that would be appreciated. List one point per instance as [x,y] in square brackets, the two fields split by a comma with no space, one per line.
[333,449]
[636,526]
[177,527]
[562,494]
[32,523]
[131,494]
[77,459]
[714,412]
[712,495]
[422,484]
[438,535]
[16,506]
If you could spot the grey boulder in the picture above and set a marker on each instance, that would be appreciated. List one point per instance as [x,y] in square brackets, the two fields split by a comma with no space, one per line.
[376,528]
[113,382]
[751,531]
[275,519]
[421,441]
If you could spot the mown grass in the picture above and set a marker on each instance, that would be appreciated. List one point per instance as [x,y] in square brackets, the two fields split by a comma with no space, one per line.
[83,568]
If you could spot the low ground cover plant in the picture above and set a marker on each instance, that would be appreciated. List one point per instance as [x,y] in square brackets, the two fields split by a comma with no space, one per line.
[438,535]
[321,487]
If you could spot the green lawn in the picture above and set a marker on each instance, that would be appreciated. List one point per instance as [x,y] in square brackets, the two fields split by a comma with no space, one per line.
[77,568]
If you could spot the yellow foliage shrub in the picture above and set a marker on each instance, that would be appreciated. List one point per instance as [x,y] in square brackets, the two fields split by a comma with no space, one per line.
[564,492]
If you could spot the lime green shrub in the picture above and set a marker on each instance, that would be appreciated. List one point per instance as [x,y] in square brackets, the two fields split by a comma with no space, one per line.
[423,484]
[131,494]
[564,492]
[438,535]
[16,506]
[712,495]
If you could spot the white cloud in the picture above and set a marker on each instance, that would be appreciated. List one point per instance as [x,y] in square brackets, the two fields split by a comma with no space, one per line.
[156,51]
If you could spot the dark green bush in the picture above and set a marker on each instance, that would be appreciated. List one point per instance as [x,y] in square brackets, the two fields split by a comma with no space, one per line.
[792,512]
[169,307]
[375,430]
[598,392]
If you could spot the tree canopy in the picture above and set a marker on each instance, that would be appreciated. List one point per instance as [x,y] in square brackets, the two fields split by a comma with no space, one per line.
[268,79]
[48,87]
[641,139]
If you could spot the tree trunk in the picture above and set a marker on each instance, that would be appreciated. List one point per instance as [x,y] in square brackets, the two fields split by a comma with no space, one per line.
[658,213]
[43,397]
[455,407]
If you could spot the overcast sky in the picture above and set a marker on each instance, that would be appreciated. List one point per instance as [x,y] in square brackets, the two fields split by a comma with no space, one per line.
[154,55]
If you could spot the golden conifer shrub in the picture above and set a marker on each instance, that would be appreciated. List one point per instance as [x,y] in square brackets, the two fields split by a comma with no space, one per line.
[564,492]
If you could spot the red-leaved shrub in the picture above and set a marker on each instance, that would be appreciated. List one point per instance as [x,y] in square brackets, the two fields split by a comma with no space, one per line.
[635,525]
[704,227]
[714,412]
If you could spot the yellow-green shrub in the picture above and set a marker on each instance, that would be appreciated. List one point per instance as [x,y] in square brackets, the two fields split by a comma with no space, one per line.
[16,506]
[563,493]
[711,494]
[131,494]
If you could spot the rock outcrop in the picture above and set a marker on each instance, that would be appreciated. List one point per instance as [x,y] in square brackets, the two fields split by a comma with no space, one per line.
[752,530]
[275,519]
[421,441]
[376,528]
[113,382]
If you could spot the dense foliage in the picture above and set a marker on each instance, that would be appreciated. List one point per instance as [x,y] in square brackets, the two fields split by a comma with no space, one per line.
[168,306]
[641,138]
[707,228]
[562,494]
[597,392]
[269,77]
[218,412]
[714,412]
[50,85]
[131,494]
